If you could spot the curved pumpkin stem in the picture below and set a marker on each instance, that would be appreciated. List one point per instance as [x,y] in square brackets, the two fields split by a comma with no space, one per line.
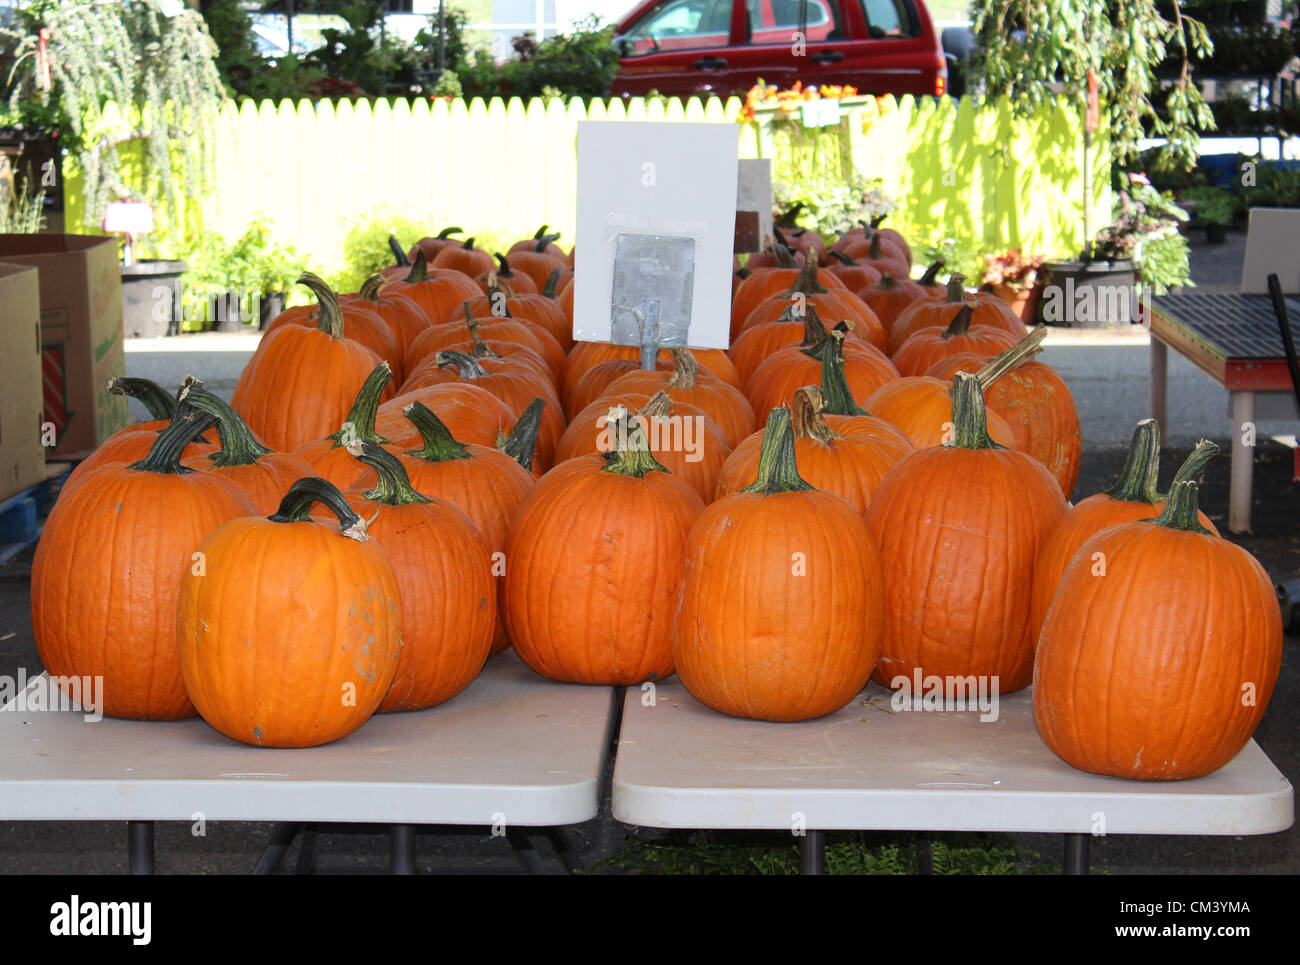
[296,505]
[956,288]
[467,244]
[544,241]
[784,257]
[164,455]
[552,282]
[1008,359]
[239,447]
[836,396]
[157,401]
[329,315]
[446,233]
[807,416]
[686,370]
[969,418]
[399,253]
[960,324]
[874,251]
[360,423]
[1137,480]
[419,269]
[394,487]
[631,455]
[540,231]
[1193,466]
[928,279]
[877,221]
[841,257]
[521,444]
[466,364]
[1182,509]
[370,287]
[439,444]
[658,406]
[777,472]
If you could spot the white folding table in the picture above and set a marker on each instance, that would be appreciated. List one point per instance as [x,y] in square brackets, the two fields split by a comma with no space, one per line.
[512,751]
[869,767]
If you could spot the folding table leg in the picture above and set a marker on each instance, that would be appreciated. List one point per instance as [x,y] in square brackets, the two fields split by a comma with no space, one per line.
[139,836]
[564,848]
[525,852]
[403,849]
[1158,381]
[282,836]
[1243,463]
[812,853]
[1076,854]
[307,851]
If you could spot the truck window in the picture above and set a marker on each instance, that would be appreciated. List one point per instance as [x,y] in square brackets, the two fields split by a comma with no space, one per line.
[680,25]
[772,22]
[888,18]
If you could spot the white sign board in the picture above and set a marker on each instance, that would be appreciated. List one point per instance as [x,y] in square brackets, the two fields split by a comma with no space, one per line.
[1272,248]
[664,195]
[754,193]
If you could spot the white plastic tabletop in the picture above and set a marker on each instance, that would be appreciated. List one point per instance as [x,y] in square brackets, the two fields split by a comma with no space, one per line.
[868,767]
[512,748]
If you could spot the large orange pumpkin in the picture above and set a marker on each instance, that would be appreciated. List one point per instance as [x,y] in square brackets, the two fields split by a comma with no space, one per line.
[1162,668]
[594,568]
[959,528]
[780,614]
[926,346]
[108,570]
[439,291]
[304,656]
[985,310]
[807,293]
[361,323]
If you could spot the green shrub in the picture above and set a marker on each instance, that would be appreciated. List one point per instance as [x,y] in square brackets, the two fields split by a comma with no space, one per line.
[366,250]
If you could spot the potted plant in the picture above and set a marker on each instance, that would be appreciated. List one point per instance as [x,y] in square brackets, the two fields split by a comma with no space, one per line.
[1142,243]
[1013,277]
[1212,208]
[233,285]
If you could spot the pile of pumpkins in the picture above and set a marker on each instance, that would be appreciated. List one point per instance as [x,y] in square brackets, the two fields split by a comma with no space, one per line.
[871,482]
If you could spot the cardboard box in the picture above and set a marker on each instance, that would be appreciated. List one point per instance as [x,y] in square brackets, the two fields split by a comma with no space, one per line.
[22,457]
[81,334]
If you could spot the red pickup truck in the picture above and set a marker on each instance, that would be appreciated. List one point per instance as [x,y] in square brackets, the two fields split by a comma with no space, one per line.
[684,47]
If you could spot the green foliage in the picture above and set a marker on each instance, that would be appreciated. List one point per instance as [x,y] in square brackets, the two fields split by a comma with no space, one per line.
[847,853]
[1121,42]
[1214,206]
[578,64]
[365,249]
[23,214]
[252,265]
[1165,262]
[1271,185]
[161,72]
[957,255]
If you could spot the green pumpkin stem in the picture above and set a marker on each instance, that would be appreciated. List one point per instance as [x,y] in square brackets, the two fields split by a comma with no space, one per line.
[877,221]
[836,396]
[360,423]
[960,324]
[1137,480]
[157,400]
[296,505]
[446,233]
[544,242]
[784,257]
[540,231]
[239,447]
[370,287]
[928,279]
[419,269]
[394,486]
[521,444]
[777,472]
[329,315]
[399,253]
[969,418]
[1193,466]
[631,455]
[552,282]
[842,258]
[468,244]
[1008,359]
[164,455]
[466,365]
[806,283]
[874,251]
[439,444]
[956,288]
[1182,509]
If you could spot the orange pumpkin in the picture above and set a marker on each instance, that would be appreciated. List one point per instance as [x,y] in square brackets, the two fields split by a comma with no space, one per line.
[806,293]
[329,457]
[926,346]
[464,258]
[304,656]
[958,528]
[804,641]
[766,282]
[439,291]
[1162,668]
[360,322]
[595,558]
[405,318]
[989,311]
[517,280]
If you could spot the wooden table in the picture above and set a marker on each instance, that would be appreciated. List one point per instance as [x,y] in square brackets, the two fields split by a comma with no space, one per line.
[512,751]
[869,767]
[1234,339]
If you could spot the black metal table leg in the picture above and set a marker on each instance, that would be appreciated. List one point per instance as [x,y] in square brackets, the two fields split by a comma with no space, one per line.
[307,851]
[564,848]
[1076,854]
[403,849]
[812,853]
[139,835]
[282,836]
[525,852]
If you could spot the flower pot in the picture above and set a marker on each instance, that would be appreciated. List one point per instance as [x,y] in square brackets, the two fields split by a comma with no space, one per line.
[151,298]
[1094,294]
[1023,301]
[1216,234]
